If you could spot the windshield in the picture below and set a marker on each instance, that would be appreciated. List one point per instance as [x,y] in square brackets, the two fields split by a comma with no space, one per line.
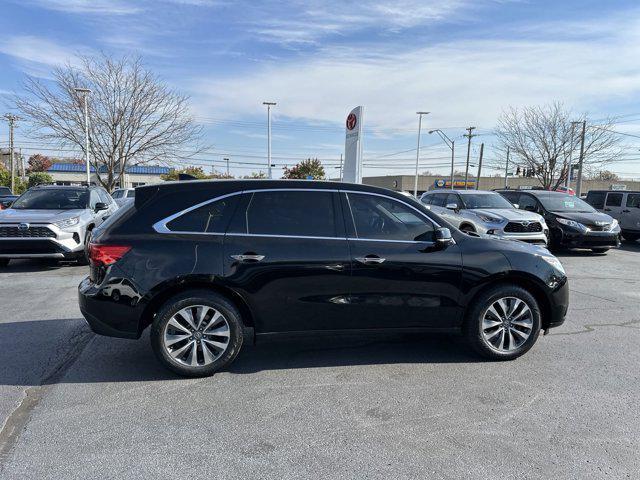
[560,202]
[63,199]
[485,200]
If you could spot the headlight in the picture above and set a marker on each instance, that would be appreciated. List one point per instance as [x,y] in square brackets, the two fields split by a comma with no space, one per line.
[554,262]
[69,222]
[572,224]
[613,225]
[487,219]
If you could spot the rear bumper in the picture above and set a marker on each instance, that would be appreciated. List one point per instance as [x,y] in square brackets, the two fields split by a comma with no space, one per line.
[109,315]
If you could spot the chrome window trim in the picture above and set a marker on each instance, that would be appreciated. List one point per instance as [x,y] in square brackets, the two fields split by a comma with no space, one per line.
[161,225]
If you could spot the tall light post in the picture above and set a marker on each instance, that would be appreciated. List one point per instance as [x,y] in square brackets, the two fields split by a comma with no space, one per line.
[415,183]
[569,165]
[85,99]
[451,144]
[227,160]
[269,105]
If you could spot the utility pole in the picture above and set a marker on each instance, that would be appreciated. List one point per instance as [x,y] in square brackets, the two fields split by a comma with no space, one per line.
[85,97]
[569,166]
[415,182]
[579,180]
[469,135]
[453,147]
[340,167]
[479,166]
[269,105]
[226,160]
[506,171]
[12,120]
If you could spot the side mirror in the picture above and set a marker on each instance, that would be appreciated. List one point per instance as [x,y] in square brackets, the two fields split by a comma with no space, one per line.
[443,236]
[452,206]
[530,208]
[101,206]
[515,205]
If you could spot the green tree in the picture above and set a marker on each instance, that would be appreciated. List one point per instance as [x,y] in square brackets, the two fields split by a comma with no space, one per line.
[311,167]
[36,178]
[256,175]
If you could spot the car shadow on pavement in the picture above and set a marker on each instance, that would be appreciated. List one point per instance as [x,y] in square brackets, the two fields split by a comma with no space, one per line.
[625,246]
[30,266]
[47,352]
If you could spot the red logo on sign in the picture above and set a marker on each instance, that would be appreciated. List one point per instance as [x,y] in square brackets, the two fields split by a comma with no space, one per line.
[352,120]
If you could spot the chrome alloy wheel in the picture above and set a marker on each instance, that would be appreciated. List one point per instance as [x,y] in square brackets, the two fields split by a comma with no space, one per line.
[196,335]
[507,324]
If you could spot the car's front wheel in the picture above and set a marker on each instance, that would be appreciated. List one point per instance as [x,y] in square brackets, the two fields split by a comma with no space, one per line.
[503,323]
[197,333]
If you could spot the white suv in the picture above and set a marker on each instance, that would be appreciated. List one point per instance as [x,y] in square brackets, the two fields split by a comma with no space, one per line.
[624,206]
[486,212]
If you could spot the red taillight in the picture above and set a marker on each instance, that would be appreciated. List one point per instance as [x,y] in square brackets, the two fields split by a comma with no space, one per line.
[106,254]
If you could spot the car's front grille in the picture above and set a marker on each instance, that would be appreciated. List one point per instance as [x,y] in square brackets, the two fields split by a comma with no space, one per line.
[27,232]
[523,227]
[599,228]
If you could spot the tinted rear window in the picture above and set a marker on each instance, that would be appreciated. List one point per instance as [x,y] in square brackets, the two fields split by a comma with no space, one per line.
[614,200]
[210,218]
[304,213]
[596,199]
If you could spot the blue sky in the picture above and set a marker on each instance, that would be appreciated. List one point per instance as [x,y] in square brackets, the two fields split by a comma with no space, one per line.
[463,60]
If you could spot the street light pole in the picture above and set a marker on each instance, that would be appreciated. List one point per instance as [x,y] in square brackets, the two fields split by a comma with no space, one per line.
[269,105]
[569,166]
[85,95]
[581,162]
[466,172]
[451,144]
[415,183]
[227,160]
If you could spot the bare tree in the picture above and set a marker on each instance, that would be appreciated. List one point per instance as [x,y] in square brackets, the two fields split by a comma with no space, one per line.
[539,139]
[134,117]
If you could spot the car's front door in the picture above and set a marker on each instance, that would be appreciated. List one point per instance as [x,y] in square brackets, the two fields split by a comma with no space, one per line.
[613,204]
[630,215]
[286,254]
[401,277]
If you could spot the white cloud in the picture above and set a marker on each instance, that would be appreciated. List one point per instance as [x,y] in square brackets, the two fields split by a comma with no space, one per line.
[112,7]
[34,51]
[462,82]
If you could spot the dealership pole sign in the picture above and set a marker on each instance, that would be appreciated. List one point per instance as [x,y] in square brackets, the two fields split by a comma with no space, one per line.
[353,147]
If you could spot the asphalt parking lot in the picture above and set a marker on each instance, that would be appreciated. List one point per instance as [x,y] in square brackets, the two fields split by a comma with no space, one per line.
[76,405]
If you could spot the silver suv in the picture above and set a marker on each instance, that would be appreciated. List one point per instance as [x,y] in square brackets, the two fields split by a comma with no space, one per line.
[624,206]
[486,212]
[52,221]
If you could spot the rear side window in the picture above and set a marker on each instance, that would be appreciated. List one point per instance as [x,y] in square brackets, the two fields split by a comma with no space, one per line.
[116,194]
[614,200]
[385,219]
[633,200]
[210,218]
[596,199]
[295,213]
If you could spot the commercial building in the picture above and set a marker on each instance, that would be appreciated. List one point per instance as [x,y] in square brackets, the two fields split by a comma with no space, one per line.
[135,176]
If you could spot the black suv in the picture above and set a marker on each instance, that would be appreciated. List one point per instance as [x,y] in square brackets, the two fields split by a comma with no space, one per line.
[211,264]
[572,222]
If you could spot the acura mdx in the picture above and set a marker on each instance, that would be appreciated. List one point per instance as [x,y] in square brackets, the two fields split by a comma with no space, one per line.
[208,265]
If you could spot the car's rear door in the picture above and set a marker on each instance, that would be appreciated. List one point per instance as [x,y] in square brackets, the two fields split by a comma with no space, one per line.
[613,204]
[286,254]
[401,277]
[630,214]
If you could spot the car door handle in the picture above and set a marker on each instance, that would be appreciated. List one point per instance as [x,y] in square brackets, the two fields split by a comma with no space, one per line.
[626,211]
[248,257]
[607,209]
[370,259]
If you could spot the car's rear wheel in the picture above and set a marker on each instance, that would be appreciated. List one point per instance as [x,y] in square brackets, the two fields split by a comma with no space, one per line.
[84,258]
[503,323]
[197,333]
[599,250]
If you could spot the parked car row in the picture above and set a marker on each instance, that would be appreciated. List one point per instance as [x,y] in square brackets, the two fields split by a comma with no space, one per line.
[556,219]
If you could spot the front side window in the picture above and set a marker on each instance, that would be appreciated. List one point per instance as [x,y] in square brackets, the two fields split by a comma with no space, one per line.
[596,199]
[381,218]
[210,218]
[439,199]
[633,200]
[53,199]
[293,213]
[117,194]
[614,200]
[453,198]
[527,202]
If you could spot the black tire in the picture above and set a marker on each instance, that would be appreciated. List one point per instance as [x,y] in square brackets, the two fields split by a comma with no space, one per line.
[4,262]
[600,250]
[84,258]
[472,329]
[630,237]
[192,298]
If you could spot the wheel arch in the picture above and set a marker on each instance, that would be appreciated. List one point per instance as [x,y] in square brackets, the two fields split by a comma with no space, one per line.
[522,280]
[161,294]
[467,224]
